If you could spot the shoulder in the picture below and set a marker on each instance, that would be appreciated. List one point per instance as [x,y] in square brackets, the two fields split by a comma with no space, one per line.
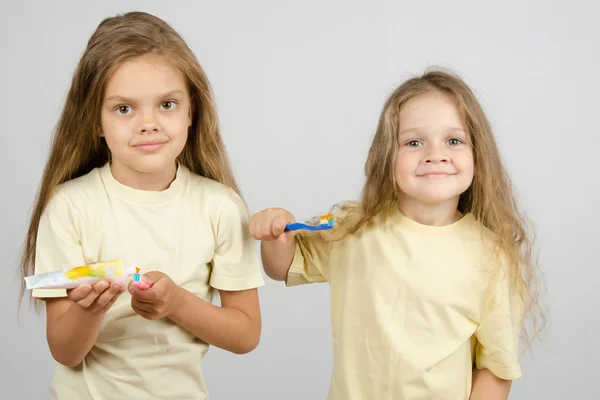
[214,197]
[75,192]
[81,187]
[482,244]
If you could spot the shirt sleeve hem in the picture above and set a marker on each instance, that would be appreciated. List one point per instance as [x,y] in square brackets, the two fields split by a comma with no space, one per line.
[506,373]
[48,293]
[295,272]
[236,284]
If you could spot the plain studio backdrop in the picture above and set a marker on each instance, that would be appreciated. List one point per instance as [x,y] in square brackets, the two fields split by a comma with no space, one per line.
[299,87]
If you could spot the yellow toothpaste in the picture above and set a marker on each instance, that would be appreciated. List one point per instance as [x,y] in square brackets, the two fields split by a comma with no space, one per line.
[111,271]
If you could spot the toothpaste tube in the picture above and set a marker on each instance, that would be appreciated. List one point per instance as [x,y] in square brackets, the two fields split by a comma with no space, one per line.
[110,271]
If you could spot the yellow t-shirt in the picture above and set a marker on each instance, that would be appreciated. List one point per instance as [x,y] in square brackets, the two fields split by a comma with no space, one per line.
[413,309]
[196,232]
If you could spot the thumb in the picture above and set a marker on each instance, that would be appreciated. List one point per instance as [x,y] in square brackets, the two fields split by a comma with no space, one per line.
[151,277]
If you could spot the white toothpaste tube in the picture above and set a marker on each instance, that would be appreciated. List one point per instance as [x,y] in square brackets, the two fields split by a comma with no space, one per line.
[110,271]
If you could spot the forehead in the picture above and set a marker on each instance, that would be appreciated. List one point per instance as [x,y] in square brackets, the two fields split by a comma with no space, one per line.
[145,76]
[429,111]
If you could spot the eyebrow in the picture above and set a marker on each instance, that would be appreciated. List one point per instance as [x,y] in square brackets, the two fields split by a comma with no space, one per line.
[128,100]
[450,129]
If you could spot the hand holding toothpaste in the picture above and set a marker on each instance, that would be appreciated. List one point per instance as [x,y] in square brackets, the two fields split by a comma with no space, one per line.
[158,299]
[96,298]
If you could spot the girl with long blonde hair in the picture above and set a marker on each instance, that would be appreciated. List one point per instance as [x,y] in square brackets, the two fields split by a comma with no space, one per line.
[431,272]
[138,172]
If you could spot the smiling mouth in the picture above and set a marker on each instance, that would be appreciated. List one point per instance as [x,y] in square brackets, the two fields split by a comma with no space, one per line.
[149,147]
[434,175]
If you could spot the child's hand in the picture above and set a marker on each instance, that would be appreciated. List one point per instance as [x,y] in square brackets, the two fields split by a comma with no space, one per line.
[159,300]
[270,225]
[97,298]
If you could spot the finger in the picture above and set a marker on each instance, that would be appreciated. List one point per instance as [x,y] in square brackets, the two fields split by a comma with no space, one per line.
[100,287]
[278,227]
[145,311]
[97,289]
[141,311]
[266,232]
[110,303]
[152,277]
[286,237]
[79,292]
[145,295]
[88,300]
[114,290]
[146,307]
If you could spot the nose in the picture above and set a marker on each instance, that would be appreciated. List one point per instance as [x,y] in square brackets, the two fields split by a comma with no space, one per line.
[436,156]
[149,123]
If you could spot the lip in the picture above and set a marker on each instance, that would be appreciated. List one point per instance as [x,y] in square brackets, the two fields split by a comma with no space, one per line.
[150,147]
[435,174]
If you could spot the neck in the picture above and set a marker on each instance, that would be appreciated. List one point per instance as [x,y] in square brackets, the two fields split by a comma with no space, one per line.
[439,214]
[147,181]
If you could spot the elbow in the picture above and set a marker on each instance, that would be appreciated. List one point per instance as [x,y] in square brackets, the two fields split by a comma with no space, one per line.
[275,274]
[247,345]
[66,360]
[64,357]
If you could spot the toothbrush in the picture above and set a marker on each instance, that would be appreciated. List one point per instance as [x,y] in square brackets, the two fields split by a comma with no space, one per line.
[325,222]
[137,281]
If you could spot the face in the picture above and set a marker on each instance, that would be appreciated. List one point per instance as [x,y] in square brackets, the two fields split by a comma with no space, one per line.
[434,162]
[145,116]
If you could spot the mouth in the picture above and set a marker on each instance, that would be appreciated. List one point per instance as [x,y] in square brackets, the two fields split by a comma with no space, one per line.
[149,147]
[435,175]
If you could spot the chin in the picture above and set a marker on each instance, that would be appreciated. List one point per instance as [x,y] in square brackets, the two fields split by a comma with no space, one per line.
[152,166]
[433,198]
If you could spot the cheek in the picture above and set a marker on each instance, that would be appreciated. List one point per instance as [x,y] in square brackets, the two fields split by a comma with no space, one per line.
[179,128]
[404,170]
[406,165]
[115,132]
[466,162]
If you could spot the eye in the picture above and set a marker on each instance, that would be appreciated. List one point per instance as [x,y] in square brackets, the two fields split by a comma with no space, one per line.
[123,110]
[454,142]
[414,143]
[167,105]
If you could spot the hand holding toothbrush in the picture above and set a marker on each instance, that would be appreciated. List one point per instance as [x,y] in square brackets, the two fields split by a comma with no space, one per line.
[279,224]
[270,225]
[158,299]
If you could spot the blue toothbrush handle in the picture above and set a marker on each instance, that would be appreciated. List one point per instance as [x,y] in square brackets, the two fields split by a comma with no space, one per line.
[299,225]
[296,226]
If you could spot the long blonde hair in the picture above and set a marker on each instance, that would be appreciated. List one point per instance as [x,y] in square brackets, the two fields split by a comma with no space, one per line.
[490,198]
[77,148]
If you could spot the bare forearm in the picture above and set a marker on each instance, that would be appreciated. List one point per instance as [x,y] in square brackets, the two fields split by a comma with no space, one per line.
[277,258]
[72,335]
[486,386]
[227,328]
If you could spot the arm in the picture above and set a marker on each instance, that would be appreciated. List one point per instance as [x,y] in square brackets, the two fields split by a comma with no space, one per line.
[487,386]
[235,272]
[235,326]
[277,258]
[277,246]
[73,317]
[496,352]
[73,323]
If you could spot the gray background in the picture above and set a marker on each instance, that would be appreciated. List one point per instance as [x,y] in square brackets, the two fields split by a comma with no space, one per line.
[299,86]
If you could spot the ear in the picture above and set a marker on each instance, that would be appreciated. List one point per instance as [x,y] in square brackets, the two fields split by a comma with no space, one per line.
[99,131]
[190,117]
